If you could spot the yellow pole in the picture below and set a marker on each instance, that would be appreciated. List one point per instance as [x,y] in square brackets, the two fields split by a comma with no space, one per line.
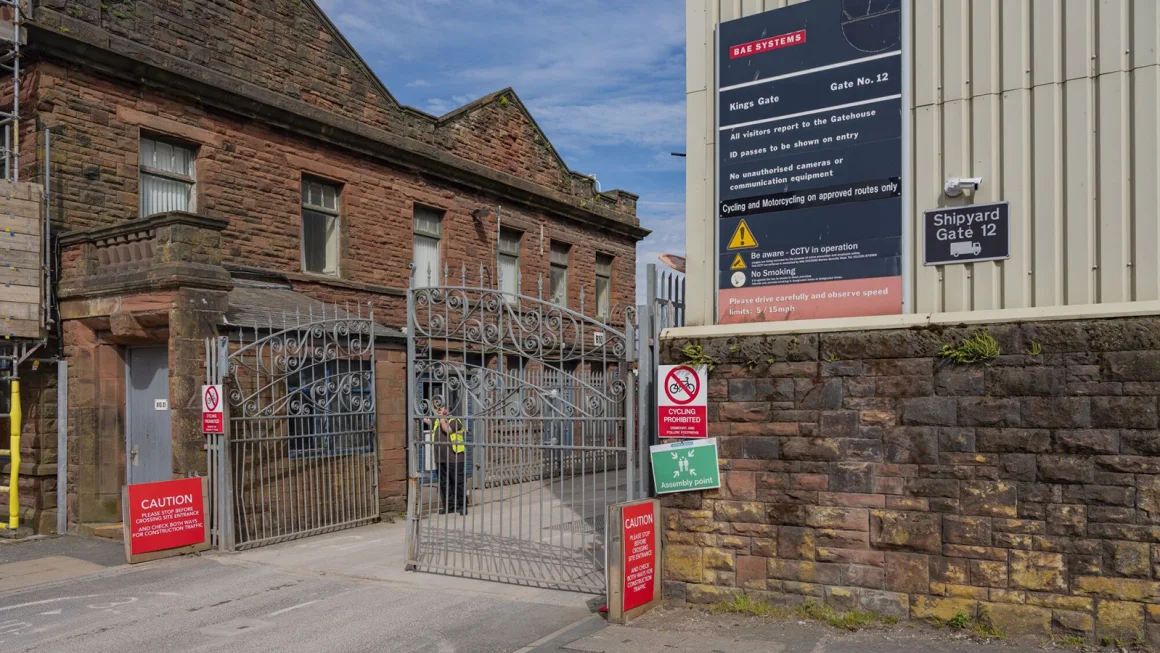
[14,446]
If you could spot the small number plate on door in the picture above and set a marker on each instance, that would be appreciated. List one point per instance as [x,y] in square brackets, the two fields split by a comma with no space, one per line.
[160,404]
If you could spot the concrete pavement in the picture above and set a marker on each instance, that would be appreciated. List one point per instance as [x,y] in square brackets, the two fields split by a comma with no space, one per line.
[347,591]
[25,563]
[693,631]
[344,591]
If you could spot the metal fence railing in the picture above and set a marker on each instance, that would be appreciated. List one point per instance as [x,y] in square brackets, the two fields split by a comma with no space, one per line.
[300,454]
[521,435]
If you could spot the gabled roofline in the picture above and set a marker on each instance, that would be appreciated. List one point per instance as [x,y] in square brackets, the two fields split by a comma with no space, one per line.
[461,111]
[59,35]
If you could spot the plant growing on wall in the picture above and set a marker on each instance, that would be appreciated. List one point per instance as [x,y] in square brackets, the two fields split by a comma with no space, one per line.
[980,347]
[695,356]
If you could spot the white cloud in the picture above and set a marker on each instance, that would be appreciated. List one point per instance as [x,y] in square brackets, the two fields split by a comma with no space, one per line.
[596,72]
[619,121]
[604,78]
[438,106]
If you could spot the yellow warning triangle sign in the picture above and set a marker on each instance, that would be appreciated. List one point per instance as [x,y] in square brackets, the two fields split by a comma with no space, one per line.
[742,237]
[738,263]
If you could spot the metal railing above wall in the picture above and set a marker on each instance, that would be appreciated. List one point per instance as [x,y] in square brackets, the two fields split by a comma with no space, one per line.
[664,308]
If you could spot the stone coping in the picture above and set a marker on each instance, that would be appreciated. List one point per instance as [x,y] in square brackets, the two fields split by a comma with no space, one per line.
[918,320]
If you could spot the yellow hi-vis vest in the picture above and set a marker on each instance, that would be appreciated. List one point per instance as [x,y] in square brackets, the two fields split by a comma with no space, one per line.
[456,436]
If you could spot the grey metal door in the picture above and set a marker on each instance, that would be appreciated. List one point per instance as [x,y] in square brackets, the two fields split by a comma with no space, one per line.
[149,440]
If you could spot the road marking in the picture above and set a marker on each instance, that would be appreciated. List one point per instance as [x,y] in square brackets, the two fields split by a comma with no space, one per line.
[113,604]
[13,627]
[583,623]
[47,601]
[293,607]
[56,611]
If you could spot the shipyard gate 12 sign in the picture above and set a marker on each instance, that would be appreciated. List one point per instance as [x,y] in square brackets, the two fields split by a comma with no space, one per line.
[809,162]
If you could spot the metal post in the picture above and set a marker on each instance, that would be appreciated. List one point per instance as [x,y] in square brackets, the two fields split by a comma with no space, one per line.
[629,431]
[411,535]
[62,447]
[646,366]
[377,509]
[47,274]
[714,181]
[15,154]
[14,454]
[907,163]
[498,235]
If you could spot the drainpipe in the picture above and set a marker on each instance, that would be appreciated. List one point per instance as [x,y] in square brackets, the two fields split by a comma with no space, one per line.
[61,447]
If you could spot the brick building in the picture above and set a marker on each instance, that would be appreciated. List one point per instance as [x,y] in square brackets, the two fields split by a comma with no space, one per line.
[214,161]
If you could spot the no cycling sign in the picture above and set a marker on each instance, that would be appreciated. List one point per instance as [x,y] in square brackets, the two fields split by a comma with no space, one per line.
[682,403]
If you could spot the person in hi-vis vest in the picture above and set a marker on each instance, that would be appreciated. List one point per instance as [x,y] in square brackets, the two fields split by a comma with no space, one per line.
[450,437]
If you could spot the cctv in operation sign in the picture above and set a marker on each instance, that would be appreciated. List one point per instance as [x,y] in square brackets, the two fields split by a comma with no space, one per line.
[809,162]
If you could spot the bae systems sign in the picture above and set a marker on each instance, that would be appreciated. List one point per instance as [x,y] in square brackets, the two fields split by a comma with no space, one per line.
[809,162]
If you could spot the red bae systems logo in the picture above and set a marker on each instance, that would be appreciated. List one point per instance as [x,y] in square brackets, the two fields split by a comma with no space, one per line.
[767,44]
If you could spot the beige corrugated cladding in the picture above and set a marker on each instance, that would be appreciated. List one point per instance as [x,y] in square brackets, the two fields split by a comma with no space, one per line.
[1053,102]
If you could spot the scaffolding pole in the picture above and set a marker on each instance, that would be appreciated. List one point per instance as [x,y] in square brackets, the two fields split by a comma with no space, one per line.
[12,355]
[10,62]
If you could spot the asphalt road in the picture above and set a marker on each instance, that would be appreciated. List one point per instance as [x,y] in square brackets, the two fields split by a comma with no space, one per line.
[279,599]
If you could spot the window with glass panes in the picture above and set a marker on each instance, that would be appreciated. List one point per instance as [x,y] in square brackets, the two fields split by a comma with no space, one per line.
[319,227]
[167,176]
[509,264]
[558,274]
[603,286]
[426,255]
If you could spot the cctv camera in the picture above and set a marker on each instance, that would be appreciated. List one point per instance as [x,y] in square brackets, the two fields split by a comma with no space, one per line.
[956,185]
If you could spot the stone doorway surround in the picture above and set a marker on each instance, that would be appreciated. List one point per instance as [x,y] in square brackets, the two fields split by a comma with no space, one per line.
[149,281]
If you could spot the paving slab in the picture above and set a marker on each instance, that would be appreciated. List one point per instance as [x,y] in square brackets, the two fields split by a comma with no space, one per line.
[27,563]
[106,553]
[695,631]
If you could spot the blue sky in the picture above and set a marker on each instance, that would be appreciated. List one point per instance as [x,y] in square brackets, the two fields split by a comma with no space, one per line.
[605,79]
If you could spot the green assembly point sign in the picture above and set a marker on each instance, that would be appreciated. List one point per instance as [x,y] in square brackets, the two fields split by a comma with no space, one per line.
[685,466]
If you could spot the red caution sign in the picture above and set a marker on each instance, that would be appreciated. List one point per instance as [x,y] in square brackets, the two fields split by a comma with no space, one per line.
[212,417]
[640,554]
[682,403]
[165,515]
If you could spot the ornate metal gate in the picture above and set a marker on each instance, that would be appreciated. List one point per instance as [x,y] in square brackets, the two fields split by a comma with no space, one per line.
[299,456]
[544,398]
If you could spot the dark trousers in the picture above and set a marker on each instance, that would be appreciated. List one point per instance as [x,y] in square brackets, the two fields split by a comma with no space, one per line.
[453,485]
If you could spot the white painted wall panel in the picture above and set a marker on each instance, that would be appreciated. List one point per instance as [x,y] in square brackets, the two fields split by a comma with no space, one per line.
[1145,183]
[1016,187]
[1053,102]
[1014,46]
[1145,25]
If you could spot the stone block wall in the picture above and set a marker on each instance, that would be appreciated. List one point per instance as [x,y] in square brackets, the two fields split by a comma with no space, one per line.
[391,424]
[38,450]
[251,176]
[864,470]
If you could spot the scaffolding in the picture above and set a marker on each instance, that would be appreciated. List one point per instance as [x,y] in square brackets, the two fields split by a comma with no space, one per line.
[11,36]
[11,356]
[13,352]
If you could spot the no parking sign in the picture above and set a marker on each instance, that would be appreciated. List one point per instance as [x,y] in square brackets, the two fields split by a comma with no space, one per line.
[682,403]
